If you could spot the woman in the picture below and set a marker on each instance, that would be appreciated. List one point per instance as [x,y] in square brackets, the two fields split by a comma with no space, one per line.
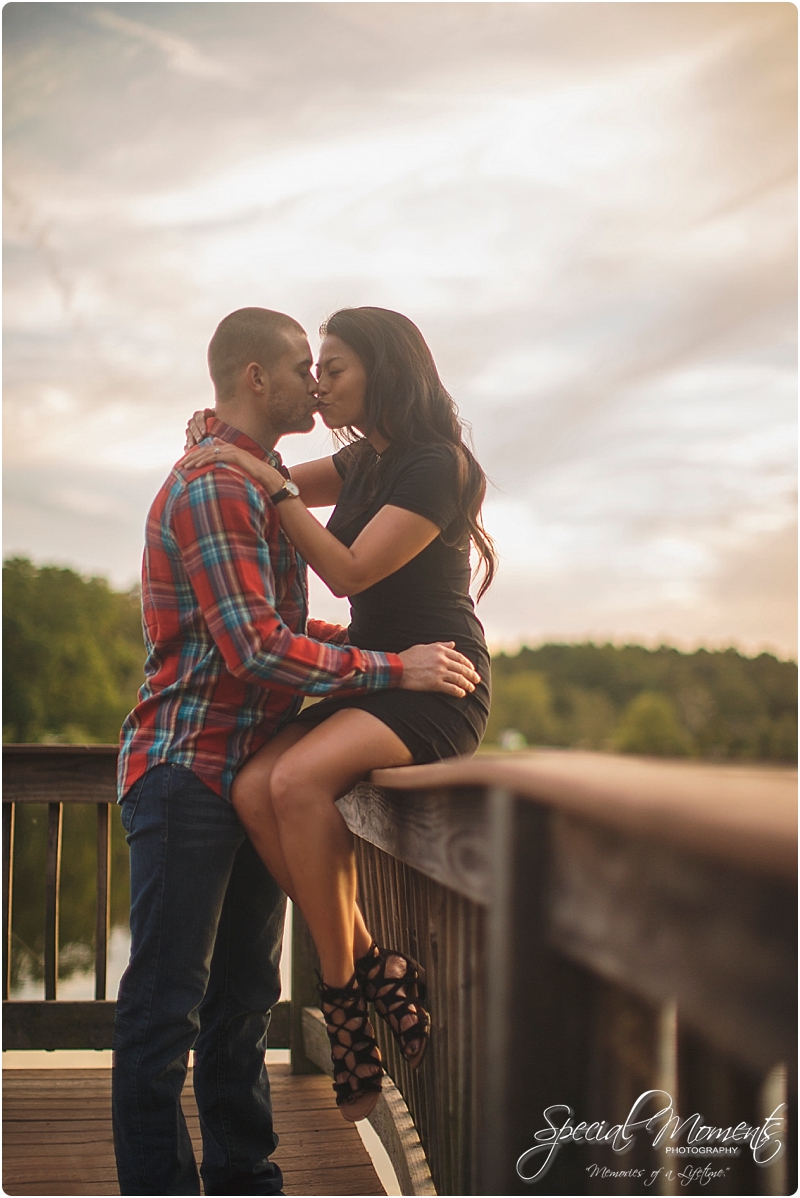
[408,495]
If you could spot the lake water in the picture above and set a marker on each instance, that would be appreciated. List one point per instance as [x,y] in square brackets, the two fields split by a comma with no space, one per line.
[80,982]
[77,905]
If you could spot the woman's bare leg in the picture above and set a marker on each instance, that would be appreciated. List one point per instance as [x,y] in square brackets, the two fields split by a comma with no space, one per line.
[317,846]
[252,799]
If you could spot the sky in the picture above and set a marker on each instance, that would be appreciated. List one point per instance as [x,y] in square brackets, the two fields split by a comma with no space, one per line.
[588,209]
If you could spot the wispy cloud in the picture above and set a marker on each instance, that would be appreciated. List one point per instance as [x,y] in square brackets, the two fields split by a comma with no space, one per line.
[179,53]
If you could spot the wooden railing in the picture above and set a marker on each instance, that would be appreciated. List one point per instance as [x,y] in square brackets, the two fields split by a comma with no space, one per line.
[54,775]
[592,928]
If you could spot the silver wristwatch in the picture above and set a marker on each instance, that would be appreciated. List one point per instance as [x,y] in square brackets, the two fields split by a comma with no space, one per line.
[289,490]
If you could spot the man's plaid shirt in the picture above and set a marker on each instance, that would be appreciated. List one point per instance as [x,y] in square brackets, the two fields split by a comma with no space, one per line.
[224,603]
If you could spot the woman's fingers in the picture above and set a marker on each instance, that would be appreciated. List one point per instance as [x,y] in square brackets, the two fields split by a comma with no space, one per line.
[195,429]
[199,457]
[224,452]
[197,425]
[202,455]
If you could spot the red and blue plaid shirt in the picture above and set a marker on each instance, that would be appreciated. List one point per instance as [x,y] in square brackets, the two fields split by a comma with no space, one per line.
[225,605]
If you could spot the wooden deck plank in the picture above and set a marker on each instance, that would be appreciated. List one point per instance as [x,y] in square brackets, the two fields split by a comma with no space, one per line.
[57,1135]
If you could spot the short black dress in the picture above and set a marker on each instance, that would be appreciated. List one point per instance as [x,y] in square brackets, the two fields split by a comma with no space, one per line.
[426,600]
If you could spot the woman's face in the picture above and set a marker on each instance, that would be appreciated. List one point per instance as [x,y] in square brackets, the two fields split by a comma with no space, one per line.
[342,385]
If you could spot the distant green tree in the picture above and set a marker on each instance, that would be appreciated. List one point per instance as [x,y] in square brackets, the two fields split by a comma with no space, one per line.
[590,717]
[523,704]
[72,655]
[650,725]
[781,739]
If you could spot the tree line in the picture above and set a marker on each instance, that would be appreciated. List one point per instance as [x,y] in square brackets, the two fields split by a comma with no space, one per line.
[73,656]
[628,699]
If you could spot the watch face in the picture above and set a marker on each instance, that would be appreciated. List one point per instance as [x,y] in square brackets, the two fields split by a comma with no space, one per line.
[291,487]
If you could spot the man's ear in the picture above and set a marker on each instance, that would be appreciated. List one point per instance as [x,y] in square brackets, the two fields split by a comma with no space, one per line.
[256,377]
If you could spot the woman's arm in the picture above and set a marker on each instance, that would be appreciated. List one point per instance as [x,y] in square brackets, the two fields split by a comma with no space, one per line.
[319,481]
[393,536]
[391,539]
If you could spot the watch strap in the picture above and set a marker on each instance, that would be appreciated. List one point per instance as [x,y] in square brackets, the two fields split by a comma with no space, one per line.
[284,493]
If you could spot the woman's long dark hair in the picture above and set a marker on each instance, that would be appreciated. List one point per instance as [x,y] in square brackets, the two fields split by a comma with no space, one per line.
[407,404]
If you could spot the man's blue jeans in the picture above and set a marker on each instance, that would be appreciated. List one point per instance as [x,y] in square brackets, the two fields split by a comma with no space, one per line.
[206,929]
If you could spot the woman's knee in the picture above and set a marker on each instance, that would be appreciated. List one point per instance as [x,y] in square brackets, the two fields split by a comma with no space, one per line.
[251,795]
[251,787]
[292,790]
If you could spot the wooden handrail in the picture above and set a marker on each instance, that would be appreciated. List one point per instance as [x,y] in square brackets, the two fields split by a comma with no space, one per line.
[705,806]
[604,926]
[744,814]
[612,877]
[73,773]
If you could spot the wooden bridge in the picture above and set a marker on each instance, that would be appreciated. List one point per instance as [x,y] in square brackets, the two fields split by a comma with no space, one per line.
[593,928]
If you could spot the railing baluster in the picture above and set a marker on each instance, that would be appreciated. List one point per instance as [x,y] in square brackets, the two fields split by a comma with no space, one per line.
[773,1095]
[304,990]
[500,967]
[9,813]
[103,911]
[52,885]
[667,1079]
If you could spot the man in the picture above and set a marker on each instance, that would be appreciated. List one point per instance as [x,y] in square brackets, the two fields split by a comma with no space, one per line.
[225,606]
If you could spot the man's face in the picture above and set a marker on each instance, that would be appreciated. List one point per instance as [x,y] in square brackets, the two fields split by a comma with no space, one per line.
[292,400]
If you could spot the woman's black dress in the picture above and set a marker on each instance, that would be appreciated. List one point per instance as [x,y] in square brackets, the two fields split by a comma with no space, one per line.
[426,600]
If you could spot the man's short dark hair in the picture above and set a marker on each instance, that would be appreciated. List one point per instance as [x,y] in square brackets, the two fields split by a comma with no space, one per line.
[247,335]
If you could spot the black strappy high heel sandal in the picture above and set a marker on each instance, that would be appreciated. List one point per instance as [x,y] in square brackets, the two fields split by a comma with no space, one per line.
[357,1068]
[398,997]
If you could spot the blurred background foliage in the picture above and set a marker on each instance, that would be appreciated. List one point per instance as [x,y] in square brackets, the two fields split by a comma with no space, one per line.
[714,704]
[72,655]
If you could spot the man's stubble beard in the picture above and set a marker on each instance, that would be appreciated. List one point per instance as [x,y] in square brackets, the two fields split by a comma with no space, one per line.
[296,427]
[288,420]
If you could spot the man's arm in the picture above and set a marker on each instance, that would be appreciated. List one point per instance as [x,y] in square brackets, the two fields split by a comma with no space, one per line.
[216,523]
[320,630]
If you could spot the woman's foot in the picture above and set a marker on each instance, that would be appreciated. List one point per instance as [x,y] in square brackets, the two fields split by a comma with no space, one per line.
[395,984]
[357,1068]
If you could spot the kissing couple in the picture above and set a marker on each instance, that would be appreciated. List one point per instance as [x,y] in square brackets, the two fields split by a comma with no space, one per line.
[227,788]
